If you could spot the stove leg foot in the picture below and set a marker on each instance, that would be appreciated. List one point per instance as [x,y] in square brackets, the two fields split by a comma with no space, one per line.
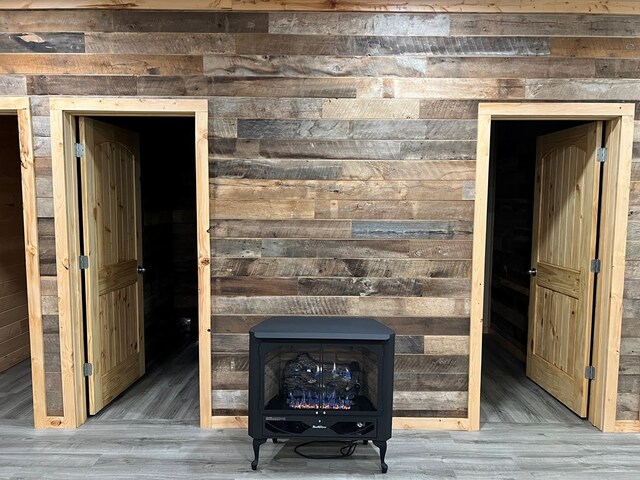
[256,451]
[365,442]
[274,440]
[383,451]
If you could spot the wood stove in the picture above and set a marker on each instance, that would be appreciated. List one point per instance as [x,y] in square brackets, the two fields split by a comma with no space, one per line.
[321,378]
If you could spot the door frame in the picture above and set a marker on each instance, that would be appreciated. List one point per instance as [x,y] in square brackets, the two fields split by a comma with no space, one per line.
[63,111]
[20,106]
[613,235]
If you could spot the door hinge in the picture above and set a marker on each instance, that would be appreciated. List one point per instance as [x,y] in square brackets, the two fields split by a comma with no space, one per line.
[595,265]
[83,262]
[601,154]
[87,369]
[78,149]
[590,372]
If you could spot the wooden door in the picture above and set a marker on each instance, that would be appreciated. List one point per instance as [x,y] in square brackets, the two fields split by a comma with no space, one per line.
[564,243]
[110,183]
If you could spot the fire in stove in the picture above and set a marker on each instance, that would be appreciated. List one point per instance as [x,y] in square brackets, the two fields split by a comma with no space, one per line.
[312,385]
[311,400]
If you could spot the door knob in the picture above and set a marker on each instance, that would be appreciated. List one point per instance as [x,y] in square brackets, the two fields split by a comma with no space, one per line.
[533,271]
[141,270]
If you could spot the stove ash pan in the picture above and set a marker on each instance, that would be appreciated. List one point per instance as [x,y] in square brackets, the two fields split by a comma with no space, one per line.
[321,378]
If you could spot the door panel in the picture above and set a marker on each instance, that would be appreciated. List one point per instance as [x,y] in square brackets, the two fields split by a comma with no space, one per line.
[110,179]
[564,242]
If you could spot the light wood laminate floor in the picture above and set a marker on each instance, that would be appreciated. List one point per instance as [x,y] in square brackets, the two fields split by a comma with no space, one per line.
[525,435]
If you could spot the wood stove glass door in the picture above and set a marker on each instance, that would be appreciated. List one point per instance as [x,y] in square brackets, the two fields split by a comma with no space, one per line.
[302,376]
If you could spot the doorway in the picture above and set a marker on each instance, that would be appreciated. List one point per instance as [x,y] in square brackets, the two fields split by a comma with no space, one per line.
[138,235]
[596,397]
[101,222]
[16,401]
[540,185]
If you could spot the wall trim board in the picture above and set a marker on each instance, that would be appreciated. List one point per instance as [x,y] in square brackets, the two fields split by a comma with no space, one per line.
[628,426]
[613,216]
[20,106]
[62,112]
[399,423]
[611,7]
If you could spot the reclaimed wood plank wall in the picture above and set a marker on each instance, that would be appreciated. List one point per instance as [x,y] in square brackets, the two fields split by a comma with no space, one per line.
[342,160]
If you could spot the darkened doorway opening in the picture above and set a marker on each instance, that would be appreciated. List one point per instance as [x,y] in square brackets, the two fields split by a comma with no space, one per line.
[16,399]
[507,395]
[169,387]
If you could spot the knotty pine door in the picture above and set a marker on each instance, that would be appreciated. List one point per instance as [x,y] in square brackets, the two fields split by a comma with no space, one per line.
[564,243]
[112,229]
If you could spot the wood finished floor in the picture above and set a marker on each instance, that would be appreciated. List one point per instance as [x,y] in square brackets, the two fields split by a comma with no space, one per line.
[525,435]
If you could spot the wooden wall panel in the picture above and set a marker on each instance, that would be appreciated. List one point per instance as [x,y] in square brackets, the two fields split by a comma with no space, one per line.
[14,321]
[342,166]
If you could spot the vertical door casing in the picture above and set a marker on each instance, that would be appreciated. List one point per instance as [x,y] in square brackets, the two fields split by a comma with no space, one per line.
[564,243]
[112,228]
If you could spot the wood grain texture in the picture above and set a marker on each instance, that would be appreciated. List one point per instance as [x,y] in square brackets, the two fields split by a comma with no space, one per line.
[281,229]
[74,64]
[13,85]
[536,67]
[255,189]
[366,24]
[288,87]
[343,169]
[261,44]
[42,42]
[188,22]
[311,267]
[458,88]
[313,66]
[594,47]
[88,85]
[469,6]
[334,140]
[545,25]
[19,21]
[159,43]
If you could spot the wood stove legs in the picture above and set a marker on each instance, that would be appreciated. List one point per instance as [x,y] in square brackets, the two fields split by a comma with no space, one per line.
[383,451]
[256,451]
[259,441]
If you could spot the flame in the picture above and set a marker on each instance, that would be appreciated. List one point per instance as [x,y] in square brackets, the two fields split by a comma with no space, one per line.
[310,400]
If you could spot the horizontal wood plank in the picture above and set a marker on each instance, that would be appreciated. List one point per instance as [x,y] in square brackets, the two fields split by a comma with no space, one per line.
[159,43]
[370,108]
[262,209]
[519,67]
[255,189]
[313,66]
[81,84]
[272,44]
[281,229]
[457,88]
[594,47]
[298,305]
[78,64]
[410,210]
[283,87]
[363,24]
[328,267]
[545,24]
[453,6]
[358,129]
[337,169]
[188,22]
[264,107]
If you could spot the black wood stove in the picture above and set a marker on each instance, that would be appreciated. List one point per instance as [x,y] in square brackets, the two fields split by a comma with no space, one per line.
[321,378]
